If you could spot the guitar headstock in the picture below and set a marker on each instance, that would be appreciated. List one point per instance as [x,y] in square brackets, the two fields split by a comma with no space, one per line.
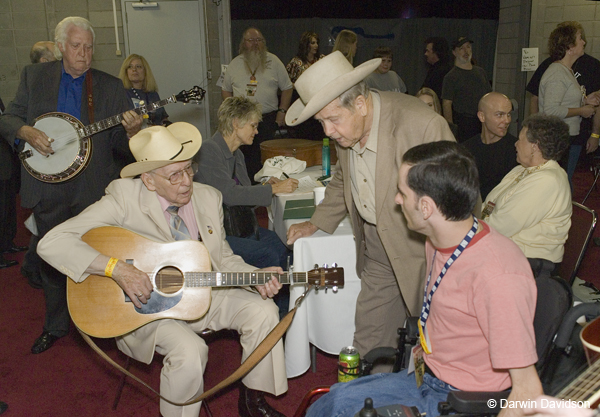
[326,277]
[194,94]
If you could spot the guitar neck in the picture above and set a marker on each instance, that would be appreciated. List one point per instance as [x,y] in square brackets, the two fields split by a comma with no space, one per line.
[116,120]
[240,279]
[586,387]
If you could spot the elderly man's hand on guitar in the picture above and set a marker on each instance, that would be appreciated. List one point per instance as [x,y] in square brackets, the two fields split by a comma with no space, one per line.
[271,287]
[132,122]
[135,283]
[37,139]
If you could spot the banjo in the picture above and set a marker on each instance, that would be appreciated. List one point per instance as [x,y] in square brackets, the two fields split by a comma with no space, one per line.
[72,145]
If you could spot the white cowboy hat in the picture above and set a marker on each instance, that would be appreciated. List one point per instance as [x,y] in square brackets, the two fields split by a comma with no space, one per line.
[159,146]
[323,82]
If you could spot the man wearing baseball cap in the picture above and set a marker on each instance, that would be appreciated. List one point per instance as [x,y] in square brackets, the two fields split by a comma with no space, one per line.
[372,130]
[157,199]
[462,89]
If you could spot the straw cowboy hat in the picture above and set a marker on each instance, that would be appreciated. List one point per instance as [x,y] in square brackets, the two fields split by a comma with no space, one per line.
[323,82]
[159,146]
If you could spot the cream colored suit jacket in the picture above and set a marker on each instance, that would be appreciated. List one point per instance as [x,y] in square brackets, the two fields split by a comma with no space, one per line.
[405,122]
[130,205]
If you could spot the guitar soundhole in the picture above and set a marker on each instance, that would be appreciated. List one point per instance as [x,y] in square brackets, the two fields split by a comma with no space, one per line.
[169,280]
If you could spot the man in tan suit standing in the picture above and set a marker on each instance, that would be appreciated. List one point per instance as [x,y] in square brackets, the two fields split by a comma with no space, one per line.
[372,129]
[164,205]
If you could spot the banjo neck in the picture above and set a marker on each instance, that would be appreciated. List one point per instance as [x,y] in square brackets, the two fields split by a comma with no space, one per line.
[112,121]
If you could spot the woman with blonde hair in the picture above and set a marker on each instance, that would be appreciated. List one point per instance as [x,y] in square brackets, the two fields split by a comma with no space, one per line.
[140,84]
[429,97]
[346,42]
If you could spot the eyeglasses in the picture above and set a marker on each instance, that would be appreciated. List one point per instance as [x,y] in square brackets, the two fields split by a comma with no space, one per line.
[176,177]
[137,67]
[255,40]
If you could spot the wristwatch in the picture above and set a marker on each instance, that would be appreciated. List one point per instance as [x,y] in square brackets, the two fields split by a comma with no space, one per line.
[282,110]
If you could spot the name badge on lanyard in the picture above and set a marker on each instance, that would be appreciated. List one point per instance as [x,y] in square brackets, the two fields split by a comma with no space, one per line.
[251,86]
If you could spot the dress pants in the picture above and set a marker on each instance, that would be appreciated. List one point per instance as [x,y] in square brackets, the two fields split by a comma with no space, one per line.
[8,213]
[380,309]
[186,353]
[56,206]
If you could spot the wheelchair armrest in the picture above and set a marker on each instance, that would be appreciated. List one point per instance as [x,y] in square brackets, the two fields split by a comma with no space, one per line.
[470,402]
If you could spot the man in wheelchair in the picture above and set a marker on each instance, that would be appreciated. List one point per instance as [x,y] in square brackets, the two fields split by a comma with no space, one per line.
[479,301]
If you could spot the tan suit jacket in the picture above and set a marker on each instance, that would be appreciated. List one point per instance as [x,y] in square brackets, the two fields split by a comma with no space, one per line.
[405,122]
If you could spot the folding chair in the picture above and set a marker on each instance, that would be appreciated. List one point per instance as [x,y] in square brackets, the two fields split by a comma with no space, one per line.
[583,223]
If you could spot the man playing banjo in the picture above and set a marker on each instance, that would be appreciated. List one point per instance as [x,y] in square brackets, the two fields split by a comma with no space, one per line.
[63,86]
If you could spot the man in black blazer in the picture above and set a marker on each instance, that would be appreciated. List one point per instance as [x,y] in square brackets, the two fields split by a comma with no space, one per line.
[62,86]
[9,186]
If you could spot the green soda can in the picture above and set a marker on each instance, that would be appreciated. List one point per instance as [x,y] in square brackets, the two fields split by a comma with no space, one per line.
[348,364]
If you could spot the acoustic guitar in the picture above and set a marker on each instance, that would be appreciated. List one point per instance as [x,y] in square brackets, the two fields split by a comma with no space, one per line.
[72,140]
[586,387]
[181,277]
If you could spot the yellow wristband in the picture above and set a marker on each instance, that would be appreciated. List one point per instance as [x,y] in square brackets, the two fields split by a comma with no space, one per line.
[110,266]
[595,135]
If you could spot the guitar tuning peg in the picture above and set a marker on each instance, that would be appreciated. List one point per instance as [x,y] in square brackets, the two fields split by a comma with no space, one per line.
[316,289]
[326,289]
[334,265]
[325,266]
[334,289]
[316,266]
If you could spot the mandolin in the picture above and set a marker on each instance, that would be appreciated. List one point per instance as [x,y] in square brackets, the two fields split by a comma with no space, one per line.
[181,277]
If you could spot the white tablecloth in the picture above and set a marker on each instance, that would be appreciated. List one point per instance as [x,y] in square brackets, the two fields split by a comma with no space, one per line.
[325,320]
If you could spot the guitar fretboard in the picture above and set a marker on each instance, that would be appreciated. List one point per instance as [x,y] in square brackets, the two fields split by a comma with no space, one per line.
[240,279]
[116,120]
[586,387]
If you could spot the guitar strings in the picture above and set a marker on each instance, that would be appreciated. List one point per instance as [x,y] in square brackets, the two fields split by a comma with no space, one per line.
[581,388]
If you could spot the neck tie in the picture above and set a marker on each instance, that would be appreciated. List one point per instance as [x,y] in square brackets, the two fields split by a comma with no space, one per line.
[178,228]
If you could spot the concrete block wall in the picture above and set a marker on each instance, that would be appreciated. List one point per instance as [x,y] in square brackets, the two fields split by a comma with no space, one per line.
[24,22]
[546,14]
[513,34]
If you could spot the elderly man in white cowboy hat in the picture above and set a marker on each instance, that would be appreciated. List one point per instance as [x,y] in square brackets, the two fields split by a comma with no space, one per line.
[157,199]
[372,129]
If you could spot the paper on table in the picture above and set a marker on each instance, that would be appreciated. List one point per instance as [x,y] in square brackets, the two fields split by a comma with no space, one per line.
[306,185]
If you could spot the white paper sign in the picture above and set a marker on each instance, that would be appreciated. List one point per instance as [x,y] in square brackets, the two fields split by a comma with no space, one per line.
[529,59]
[222,75]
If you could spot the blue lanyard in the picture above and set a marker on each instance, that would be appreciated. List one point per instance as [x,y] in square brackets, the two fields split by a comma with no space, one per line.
[457,252]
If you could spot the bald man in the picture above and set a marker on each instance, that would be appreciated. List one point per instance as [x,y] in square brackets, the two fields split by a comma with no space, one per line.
[494,147]
[42,51]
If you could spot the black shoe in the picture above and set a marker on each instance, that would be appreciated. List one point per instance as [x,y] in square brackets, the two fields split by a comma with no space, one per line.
[3,407]
[5,263]
[33,278]
[252,403]
[43,343]
[14,249]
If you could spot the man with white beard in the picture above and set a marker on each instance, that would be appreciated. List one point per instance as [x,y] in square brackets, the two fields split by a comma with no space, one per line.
[258,75]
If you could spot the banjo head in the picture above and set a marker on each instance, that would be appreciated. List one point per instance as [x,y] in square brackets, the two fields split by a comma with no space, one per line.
[71,152]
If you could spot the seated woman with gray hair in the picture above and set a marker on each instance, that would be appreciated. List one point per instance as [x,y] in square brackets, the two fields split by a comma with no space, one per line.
[221,165]
[532,204]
